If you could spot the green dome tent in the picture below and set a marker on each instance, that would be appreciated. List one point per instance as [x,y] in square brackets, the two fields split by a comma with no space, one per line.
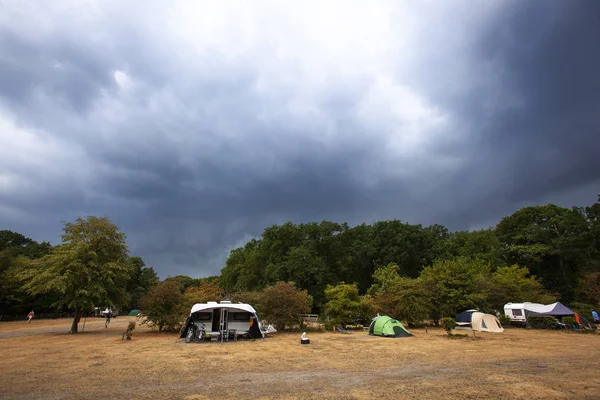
[388,327]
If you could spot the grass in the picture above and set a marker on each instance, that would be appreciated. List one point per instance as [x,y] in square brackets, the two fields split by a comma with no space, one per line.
[516,364]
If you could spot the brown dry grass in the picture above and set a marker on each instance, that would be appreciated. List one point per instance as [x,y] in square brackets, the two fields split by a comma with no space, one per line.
[516,364]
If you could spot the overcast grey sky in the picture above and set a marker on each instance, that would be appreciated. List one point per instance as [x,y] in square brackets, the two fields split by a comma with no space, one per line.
[195,124]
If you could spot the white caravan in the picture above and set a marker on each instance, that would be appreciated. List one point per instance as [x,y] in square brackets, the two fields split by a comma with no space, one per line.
[519,311]
[224,321]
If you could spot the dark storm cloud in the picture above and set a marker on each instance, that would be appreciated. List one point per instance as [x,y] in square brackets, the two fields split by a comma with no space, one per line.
[542,135]
[67,71]
[196,137]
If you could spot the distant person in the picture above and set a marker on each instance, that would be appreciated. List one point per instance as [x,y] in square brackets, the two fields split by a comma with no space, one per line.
[595,316]
[107,321]
[30,316]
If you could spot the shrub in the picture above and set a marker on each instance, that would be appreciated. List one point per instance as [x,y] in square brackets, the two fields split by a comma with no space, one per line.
[129,332]
[542,322]
[504,320]
[571,322]
[448,324]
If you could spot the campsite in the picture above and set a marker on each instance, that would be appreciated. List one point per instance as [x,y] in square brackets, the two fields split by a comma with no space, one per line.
[299,200]
[517,364]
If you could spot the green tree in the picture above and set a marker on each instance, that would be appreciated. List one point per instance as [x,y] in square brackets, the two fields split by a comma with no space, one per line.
[162,306]
[283,303]
[19,245]
[384,277]
[483,244]
[513,284]
[551,241]
[592,215]
[456,285]
[142,279]
[183,281]
[203,293]
[244,268]
[308,270]
[15,251]
[405,299]
[89,268]
[343,303]
[588,289]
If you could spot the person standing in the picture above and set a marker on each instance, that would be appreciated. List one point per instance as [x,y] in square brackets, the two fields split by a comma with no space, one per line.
[595,316]
[30,316]
[107,321]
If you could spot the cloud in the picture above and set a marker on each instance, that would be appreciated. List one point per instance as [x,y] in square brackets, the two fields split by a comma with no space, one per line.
[195,125]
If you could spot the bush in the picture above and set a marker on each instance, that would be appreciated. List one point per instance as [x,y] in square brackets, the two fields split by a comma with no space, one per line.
[129,332]
[571,322]
[448,324]
[542,322]
[504,320]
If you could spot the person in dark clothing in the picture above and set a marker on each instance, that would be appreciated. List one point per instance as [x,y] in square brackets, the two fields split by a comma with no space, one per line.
[108,315]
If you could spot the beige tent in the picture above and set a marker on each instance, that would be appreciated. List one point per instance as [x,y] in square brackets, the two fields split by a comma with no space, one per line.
[478,321]
[485,323]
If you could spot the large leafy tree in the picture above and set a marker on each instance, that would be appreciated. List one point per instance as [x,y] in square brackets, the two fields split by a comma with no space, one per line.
[588,290]
[203,293]
[456,285]
[282,304]
[592,215]
[403,298]
[90,268]
[551,241]
[483,244]
[142,279]
[514,284]
[15,252]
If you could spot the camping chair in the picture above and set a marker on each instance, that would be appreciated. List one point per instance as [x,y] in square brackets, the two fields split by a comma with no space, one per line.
[342,330]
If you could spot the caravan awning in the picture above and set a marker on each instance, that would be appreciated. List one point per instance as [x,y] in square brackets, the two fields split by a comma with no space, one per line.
[550,309]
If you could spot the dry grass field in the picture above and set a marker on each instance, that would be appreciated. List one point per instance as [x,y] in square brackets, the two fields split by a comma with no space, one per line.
[41,360]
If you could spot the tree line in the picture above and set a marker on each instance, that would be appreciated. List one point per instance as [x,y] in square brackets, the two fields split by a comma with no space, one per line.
[558,246]
[539,253]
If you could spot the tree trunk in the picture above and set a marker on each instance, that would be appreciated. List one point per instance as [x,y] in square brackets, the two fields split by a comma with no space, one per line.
[74,324]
